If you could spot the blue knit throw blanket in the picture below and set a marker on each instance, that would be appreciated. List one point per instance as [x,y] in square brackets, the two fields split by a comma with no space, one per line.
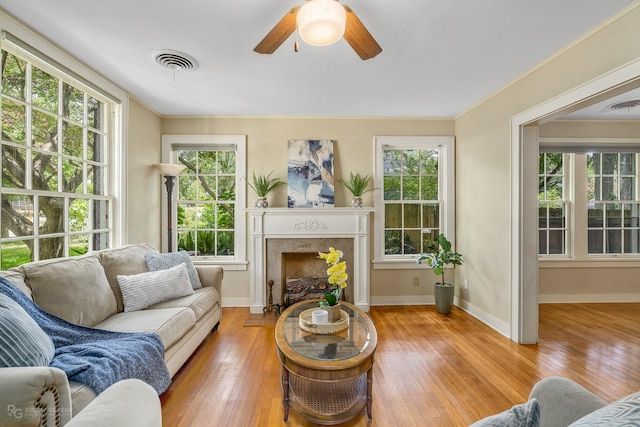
[96,357]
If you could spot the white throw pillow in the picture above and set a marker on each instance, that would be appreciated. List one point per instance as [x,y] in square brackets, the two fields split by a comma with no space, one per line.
[142,290]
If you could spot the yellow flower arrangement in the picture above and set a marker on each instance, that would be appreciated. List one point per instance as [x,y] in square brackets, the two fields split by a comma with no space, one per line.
[338,276]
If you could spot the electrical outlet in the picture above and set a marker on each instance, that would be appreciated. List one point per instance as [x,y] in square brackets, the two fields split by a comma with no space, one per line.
[416,281]
[466,284]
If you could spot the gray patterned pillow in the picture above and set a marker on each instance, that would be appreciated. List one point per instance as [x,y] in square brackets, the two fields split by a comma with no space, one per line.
[623,412]
[157,262]
[524,415]
[142,290]
[22,341]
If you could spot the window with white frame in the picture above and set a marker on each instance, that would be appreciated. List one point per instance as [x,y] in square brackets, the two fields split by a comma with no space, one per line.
[552,204]
[56,194]
[210,197]
[414,198]
[600,216]
[612,193]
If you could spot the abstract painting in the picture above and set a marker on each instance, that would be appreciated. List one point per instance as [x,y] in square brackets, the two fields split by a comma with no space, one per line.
[310,173]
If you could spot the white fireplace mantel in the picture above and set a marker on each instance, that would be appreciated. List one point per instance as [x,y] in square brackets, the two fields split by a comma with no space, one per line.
[273,223]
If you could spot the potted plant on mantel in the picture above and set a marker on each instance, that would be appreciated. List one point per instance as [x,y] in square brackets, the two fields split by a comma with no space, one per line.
[263,185]
[357,185]
[442,257]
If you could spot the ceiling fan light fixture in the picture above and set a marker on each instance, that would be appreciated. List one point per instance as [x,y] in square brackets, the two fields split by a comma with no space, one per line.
[321,22]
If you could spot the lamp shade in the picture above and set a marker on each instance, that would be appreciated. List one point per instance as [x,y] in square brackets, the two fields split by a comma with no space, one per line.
[169,169]
[321,22]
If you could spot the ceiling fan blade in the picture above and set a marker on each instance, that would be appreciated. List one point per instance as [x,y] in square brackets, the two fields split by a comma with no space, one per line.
[359,37]
[279,33]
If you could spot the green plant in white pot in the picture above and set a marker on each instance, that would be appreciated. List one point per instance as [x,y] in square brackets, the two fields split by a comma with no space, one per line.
[441,258]
[263,185]
[357,186]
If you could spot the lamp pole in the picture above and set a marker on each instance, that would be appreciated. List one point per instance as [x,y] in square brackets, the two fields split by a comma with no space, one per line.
[169,171]
[170,183]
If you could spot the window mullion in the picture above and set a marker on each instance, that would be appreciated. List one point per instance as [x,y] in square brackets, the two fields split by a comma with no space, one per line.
[580,202]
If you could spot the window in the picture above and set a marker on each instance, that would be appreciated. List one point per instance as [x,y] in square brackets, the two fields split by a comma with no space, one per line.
[588,200]
[552,206]
[210,199]
[612,192]
[415,200]
[55,192]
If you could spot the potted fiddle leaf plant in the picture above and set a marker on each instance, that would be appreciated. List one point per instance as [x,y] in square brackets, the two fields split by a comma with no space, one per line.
[357,186]
[439,260]
[263,185]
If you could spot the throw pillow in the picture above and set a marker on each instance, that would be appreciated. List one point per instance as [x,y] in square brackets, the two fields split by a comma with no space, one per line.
[623,412]
[22,341]
[524,415]
[157,262]
[75,289]
[126,261]
[142,290]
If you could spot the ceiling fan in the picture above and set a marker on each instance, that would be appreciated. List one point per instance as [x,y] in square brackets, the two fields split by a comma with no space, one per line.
[355,32]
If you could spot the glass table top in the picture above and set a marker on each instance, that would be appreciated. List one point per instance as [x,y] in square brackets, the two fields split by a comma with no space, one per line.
[342,345]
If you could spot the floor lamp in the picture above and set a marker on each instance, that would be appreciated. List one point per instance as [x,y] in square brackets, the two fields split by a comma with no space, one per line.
[169,171]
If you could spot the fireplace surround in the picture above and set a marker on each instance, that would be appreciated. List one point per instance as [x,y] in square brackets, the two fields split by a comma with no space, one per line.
[278,231]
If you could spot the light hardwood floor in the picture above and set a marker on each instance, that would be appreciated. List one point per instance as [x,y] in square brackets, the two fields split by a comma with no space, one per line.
[431,370]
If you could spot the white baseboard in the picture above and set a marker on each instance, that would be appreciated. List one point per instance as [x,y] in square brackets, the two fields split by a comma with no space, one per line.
[403,300]
[587,298]
[492,322]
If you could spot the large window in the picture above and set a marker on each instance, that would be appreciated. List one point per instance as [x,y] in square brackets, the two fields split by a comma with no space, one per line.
[55,191]
[414,182]
[210,197]
[588,203]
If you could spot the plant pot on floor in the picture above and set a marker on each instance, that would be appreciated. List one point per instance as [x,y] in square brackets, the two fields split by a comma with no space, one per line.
[443,294]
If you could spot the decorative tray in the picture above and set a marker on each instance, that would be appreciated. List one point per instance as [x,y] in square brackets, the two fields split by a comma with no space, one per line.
[323,329]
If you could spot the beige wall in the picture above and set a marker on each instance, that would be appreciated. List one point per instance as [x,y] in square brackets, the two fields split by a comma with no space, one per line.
[483,157]
[267,150]
[144,186]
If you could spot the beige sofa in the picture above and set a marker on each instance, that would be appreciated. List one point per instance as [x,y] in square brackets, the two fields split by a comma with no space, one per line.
[84,290]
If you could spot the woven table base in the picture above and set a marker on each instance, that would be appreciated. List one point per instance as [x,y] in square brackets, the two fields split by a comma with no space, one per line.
[327,397]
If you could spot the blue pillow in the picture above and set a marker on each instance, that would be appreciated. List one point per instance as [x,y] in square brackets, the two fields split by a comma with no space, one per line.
[22,340]
[621,413]
[524,415]
[157,262]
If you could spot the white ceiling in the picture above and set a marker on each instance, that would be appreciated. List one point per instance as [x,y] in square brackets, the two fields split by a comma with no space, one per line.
[439,57]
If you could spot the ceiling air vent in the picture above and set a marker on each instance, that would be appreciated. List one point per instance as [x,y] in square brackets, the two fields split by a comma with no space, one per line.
[626,105]
[175,60]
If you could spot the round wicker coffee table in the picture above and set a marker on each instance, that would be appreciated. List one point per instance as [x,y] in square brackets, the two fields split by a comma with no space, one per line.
[326,378]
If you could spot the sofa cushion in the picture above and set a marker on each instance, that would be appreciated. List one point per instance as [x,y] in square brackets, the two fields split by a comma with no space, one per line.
[524,415]
[169,323]
[126,260]
[75,289]
[142,290]
[22,341]
[157,262]
[201,301]
[623,412]
[17,279]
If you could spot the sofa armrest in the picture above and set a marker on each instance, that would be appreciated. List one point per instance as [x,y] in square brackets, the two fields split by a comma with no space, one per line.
[34,396]
[126,403]
[563,401]
[211,275]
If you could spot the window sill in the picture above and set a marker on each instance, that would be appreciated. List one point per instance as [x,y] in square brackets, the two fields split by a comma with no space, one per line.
[589,263]
[400,264]
[229,265]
